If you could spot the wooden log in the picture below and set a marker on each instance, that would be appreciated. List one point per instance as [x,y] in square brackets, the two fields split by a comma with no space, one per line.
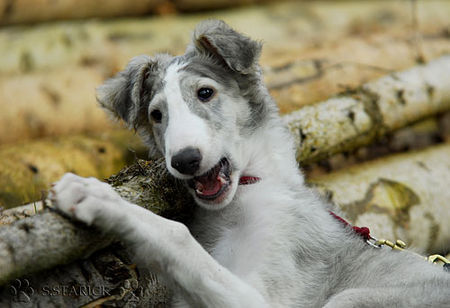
[418,136]
[380,194]
[27,169]
[362,115]
[404,196]
[31,11]
[144,183]
[53,104]
[290,31]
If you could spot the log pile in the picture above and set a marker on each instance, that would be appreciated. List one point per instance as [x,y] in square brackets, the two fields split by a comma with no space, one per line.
[355,82]
[305,59]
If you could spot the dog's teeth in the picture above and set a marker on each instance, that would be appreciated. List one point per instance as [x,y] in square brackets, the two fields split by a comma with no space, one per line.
[199,188]
[199,192]
[221,179]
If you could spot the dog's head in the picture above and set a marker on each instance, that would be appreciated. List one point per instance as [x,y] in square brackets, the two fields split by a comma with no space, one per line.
[196,108]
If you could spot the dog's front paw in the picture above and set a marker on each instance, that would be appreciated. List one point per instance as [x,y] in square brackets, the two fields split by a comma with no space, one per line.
[83,198]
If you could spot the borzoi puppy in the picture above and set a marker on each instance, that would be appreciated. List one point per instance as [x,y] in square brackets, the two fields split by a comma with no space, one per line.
[260,237]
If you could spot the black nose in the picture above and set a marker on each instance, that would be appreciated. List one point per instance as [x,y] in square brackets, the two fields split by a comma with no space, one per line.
[187,161]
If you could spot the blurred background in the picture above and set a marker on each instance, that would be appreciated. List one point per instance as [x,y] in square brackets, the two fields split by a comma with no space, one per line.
[53,54]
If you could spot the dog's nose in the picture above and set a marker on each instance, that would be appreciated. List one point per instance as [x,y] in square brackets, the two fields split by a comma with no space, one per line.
[187,161]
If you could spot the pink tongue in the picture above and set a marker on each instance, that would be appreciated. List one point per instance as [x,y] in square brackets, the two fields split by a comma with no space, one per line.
[210,187]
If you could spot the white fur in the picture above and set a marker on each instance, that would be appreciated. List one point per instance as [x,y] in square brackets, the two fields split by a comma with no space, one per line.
[184,128]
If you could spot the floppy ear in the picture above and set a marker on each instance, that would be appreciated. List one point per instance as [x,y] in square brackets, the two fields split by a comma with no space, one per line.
[127,94]
[238,52]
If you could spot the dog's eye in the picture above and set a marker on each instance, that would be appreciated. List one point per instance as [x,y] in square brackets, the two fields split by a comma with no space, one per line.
[156,116]
[205,94]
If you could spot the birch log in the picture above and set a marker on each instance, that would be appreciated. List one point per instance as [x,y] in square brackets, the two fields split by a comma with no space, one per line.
[402,196]
[362,115]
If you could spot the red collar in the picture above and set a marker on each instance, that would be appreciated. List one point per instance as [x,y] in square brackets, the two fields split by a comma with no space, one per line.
[246,180]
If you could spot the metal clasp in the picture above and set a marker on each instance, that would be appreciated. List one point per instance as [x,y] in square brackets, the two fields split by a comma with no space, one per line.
[398,245]
[438,258]
[373,242]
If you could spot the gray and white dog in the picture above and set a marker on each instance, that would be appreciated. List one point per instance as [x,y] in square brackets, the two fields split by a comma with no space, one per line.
[271,243]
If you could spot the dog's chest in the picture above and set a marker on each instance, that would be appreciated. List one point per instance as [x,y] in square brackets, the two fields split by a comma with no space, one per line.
[237,240]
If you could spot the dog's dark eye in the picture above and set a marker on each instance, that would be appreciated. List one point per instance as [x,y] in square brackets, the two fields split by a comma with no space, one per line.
[205,94]
[156,116]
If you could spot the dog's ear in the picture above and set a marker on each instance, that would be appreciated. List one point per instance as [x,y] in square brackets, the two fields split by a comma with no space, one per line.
[126,95]
[216,38]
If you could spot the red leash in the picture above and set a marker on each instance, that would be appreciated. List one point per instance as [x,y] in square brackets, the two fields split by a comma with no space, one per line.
[364,232]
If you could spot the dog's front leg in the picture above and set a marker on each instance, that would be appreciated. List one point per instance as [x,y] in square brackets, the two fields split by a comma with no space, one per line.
[158,242]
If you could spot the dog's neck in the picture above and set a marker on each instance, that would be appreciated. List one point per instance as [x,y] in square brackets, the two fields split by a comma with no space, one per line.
[270,155]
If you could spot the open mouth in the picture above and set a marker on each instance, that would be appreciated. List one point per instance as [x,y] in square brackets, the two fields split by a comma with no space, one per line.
[213,184]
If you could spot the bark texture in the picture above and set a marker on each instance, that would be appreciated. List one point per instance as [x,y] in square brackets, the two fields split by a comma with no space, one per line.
[362,115]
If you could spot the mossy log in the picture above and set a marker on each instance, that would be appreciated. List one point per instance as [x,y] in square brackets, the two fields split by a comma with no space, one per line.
[404,196]
[27,169]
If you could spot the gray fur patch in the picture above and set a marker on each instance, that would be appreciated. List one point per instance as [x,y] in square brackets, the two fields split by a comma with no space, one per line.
[127,95]
[238,51]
